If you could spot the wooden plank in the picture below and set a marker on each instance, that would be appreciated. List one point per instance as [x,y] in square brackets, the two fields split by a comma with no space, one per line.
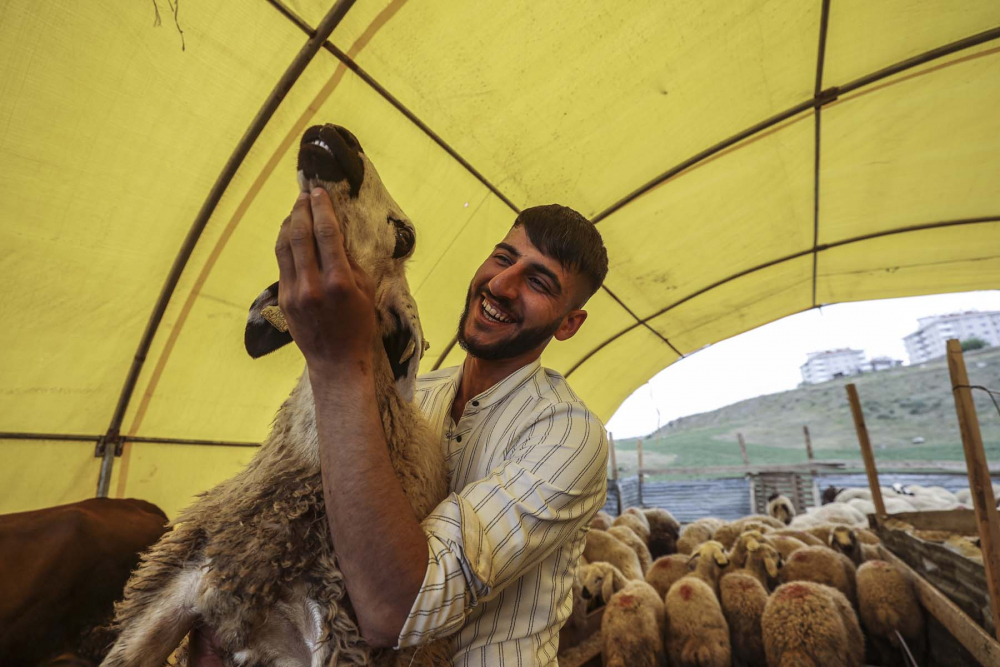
[743,449]
[809,455]
[866,450]
[979,478]
[978,642]
[818,466]
[809,445]
[957,521]
[614,461]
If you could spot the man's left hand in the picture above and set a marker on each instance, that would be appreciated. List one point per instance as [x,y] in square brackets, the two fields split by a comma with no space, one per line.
[327,299]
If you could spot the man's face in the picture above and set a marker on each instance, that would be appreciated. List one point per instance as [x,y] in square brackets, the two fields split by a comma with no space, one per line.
[518,300]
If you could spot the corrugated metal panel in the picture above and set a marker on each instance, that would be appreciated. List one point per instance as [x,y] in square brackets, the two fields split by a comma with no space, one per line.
[729,498]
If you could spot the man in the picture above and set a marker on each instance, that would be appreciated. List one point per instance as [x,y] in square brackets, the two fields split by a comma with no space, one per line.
[492,565]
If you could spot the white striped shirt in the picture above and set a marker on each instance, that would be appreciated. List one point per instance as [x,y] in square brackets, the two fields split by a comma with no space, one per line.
[528,470]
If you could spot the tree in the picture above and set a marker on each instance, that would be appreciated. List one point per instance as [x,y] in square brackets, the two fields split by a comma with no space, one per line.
[973,344]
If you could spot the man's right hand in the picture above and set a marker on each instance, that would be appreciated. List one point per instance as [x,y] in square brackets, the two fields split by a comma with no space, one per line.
[202,650]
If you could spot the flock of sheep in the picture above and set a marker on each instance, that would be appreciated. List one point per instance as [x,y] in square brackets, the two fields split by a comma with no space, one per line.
[774,589]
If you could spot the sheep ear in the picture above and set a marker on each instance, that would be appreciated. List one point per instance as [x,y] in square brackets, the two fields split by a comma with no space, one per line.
[266,329]
[721,559]
[608,589]
[772,566]
[752,545]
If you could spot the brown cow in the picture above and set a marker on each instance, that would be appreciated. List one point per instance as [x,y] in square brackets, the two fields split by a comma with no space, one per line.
[62,570]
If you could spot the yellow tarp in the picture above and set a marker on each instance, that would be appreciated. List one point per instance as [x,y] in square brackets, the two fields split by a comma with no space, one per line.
[112,136]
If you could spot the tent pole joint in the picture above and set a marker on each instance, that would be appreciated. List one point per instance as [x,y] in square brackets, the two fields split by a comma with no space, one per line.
[827,96]
[111,439]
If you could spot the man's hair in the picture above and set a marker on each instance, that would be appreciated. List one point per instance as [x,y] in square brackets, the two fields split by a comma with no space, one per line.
[569,238]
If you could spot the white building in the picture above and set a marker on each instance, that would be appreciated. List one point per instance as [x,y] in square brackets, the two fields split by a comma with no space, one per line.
[829,364]
[930,340]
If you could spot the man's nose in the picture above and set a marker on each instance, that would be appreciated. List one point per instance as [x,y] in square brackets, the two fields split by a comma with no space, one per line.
[504,284]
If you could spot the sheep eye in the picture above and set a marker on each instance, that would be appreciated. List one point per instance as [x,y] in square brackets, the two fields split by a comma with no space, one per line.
[404,239]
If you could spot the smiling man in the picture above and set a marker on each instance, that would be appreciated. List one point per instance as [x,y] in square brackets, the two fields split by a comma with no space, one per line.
[492,566]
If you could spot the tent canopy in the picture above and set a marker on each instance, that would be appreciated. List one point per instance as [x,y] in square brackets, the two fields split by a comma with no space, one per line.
[743,162]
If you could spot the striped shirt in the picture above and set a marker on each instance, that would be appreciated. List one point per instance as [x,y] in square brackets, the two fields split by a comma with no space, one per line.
[528,470]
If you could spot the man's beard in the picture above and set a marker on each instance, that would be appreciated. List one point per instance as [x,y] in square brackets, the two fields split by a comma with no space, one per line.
[525,340]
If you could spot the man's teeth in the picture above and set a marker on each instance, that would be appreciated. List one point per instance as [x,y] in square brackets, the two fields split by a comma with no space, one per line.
[494,314]
[321,143]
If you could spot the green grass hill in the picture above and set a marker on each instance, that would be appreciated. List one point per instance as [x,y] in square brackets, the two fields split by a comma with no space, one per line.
[899,405]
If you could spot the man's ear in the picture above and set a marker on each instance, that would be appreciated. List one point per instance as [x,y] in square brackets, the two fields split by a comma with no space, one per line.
[571,323]
[266,330]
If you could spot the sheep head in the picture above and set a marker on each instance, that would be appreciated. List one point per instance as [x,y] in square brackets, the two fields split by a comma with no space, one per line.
[601,579]
[378,236]
[709,558]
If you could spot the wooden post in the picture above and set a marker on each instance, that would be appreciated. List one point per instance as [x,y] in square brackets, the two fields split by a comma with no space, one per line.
[866,452]
[812,473]
[638,448]
[743,449]
[614,472]
[979,475]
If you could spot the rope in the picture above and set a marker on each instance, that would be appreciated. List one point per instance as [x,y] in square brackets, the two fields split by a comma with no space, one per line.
[989,392]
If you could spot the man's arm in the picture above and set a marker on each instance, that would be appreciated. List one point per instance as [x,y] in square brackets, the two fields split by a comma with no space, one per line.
[329,305]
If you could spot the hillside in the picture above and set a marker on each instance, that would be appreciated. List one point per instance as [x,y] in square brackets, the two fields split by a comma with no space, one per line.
[899,405]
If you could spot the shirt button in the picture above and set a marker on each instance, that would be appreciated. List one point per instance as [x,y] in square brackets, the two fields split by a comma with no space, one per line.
[475,404]
[459,438]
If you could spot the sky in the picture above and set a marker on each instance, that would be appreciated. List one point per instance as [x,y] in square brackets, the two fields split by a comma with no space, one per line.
[766,360]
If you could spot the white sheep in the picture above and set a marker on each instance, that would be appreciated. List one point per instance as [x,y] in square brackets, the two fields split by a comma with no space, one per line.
[600,581]
[830,513]
[743,599]
[821,565]
[665,570]
[601,546]
[781,508]
[635,543]
[806,624]
[632,627]
[266,528]
[697,631]
[888,604]
[634,518]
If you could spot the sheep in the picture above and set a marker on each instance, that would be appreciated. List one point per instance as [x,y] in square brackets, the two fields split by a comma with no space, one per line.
[707,561]
[805,624]
[636,544]
[604,547]
[806,538]
[665,570]
[727,534]
[836,512]
[697,631]
[822,566]
[892,505]
[632,627]
[601,521]
[578,615]
[887,603]
[599,581]
[254,551]
[763,562]
[637,521]
[743,600]
[844,539]
[692,535]
[785,544]
[781,508]
[663,532]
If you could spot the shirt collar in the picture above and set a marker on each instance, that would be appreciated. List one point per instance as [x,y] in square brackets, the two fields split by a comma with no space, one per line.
[497,392]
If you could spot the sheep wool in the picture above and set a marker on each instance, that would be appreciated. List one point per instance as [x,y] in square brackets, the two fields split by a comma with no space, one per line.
[822,566]
[709,559]
[780,508]
[601,580]
[697,631]
[665,571]
[635,543]
[692,535]
[803,625]
[806,538]
[887,603]
[601,521]
[743,600]
[786,545]
[604,547]
[664,530]
[637,521]
[632,627]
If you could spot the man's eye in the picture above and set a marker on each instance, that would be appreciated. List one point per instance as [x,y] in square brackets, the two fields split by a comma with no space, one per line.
[503,259]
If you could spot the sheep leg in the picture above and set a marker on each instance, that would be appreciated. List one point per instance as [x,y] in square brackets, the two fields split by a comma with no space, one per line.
[156,629]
